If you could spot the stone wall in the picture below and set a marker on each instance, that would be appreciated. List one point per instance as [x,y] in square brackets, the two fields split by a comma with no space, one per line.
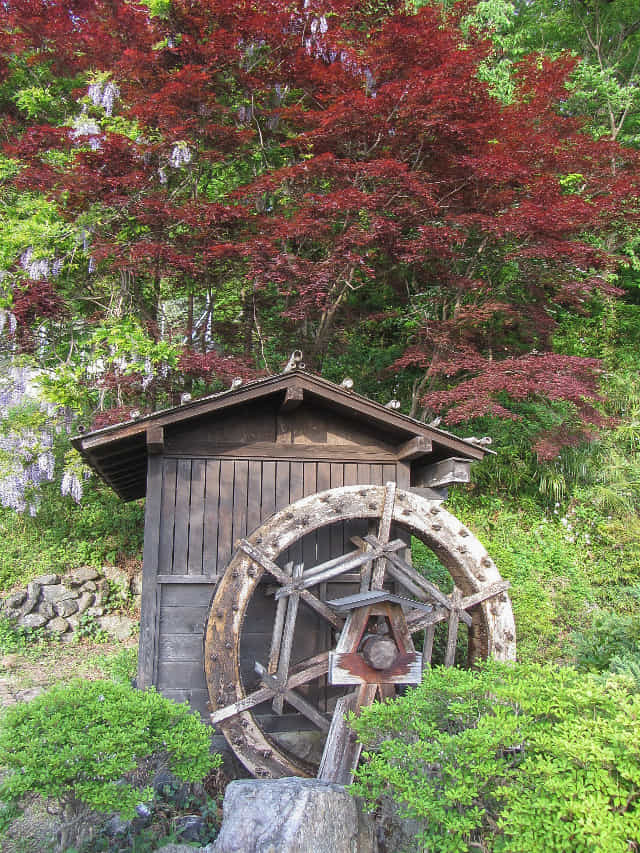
[61,605]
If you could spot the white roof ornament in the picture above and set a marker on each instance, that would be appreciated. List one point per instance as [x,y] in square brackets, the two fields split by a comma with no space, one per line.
[295,362]
[485,441]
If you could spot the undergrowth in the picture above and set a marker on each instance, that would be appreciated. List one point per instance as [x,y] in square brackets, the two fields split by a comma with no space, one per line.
[64,535]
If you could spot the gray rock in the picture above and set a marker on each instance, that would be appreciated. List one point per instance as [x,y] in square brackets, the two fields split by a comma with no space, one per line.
[115,827]
[396,832]
[47,580]
[29,605]
[58,625]
[168,787]
[83,574]
[33,589]
[74,621]
[85,601]
[136,584]
[95,611]
[57,592]
[118,577]
[32,620]
[190,827]
[118,626]
[13,602]
[178,848]
[89,586]
[66,607]
[46,608]
[293,816]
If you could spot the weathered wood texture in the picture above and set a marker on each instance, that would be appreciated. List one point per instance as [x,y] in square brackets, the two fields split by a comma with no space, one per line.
[197,510]
[207,505]
[473,572]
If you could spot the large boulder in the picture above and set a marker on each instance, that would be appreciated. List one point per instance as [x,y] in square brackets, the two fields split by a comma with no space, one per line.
[292,815]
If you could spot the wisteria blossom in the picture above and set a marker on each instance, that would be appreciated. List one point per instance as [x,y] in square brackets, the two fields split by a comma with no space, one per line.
[71,485]
[180,155]
[27,454]
[83,126]
[103,95]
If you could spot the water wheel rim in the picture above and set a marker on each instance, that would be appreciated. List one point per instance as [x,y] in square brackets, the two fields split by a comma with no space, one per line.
[464,556]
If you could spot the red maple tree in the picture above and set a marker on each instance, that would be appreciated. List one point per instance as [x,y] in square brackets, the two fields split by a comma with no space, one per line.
[320,152]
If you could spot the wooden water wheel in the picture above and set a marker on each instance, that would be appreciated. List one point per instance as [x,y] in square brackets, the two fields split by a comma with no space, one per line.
[370,648]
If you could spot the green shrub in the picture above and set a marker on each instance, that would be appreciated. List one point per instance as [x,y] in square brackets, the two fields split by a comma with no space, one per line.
[120,667]
[17,640]
[79,743]
[610,636]
[509,759]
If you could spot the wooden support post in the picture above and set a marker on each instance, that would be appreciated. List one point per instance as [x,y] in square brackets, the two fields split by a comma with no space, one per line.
[454,621]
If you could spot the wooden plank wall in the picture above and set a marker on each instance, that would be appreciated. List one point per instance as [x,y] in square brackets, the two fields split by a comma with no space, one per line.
[209,504]
[203,506]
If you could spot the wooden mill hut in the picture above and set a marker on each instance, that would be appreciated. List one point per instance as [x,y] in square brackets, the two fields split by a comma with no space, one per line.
[213,470]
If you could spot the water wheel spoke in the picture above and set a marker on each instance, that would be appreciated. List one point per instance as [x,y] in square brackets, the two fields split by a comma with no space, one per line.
[264,562]
[256,698]
[274,683]
[286,644]
[333,568]
[384,531]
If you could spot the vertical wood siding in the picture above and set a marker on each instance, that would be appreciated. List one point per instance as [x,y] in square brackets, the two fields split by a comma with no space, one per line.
[203,507]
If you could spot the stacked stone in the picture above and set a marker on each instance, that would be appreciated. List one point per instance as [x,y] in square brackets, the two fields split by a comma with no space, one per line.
[57,603]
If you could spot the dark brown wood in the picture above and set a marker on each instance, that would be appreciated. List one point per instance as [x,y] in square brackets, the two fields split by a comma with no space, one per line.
[196,518]
[155,439]
[210,519]
[414,448]
[268,505]
[167,516]
[181,520]
[148,607]
[443,473]
[240,493]
[225,512]
[187,579]
[181,647]
[293,398]
[254,502]
[321,389]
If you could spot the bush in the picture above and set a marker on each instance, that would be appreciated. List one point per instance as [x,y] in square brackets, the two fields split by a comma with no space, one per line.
[79,744]
[517,758]
[610,636]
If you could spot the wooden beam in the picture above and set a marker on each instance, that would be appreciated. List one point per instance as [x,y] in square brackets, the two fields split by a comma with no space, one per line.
[342,749]
[292,399]
[414,448]
[442,473]
[155,439]
[264,562]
